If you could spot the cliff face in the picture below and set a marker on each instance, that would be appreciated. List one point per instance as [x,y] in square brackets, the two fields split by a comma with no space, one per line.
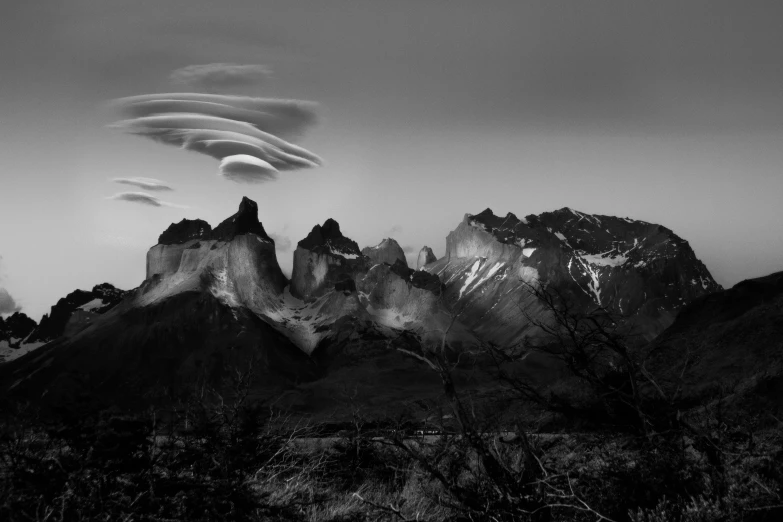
[332,281]
[641,270]
[323,259]
[236,262]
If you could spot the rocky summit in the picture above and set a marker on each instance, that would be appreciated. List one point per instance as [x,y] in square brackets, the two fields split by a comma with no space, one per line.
[214,294]
[387,251]
[322,259]
[639,270]
[426,256]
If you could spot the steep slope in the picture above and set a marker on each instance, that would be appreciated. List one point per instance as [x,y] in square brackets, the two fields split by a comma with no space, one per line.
[730,343]
[640,270]
[129,355]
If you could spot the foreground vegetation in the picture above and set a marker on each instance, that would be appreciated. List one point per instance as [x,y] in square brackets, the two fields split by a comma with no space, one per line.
[209,459]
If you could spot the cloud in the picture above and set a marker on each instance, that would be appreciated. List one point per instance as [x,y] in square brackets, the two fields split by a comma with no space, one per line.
[393,231]
[249,135]
[7,303]
[144,183]
[282,243]
[144,199]
[217,76]
[408,249]
[283,118]
[243,168]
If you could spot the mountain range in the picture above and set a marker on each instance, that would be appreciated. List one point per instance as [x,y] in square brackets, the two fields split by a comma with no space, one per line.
[352,318]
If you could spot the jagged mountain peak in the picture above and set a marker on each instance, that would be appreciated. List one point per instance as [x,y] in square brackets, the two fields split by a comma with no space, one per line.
[245,221]
[328,238]
[426,256]
[184,231]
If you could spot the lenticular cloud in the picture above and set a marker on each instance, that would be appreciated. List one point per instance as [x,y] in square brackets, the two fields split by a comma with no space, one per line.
[250,136]
[144,183]
[144,199]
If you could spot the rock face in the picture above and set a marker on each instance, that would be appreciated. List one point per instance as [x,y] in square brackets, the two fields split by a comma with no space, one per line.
[323,259]
[426,256]
[185,230]
[75,311]
[332,281]
[641,270]
[236,262]
[387,251]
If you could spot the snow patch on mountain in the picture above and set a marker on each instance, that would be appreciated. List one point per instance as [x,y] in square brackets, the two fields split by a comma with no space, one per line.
[603,259]
[92,305]
[8,354]
[471,276]
[223,289]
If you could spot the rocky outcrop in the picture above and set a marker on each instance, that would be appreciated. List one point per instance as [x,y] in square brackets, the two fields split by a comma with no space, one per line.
[16,328]
[75,311]
[387,251]
[426,256]
[640,270]
[184,231]
[322,260]
[245,221]
[399,293]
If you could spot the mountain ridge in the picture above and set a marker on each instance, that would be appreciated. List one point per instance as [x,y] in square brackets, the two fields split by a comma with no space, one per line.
[341,297]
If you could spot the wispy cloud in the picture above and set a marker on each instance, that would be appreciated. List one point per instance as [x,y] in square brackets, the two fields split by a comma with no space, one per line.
[144,183]
[7,303]
[393,231]
[144,199]
[220,76]
[282,243]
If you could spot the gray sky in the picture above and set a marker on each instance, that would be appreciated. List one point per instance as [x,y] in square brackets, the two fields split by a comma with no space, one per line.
[666,111]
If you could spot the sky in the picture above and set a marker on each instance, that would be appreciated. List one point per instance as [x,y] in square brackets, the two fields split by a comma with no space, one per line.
[670,112]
